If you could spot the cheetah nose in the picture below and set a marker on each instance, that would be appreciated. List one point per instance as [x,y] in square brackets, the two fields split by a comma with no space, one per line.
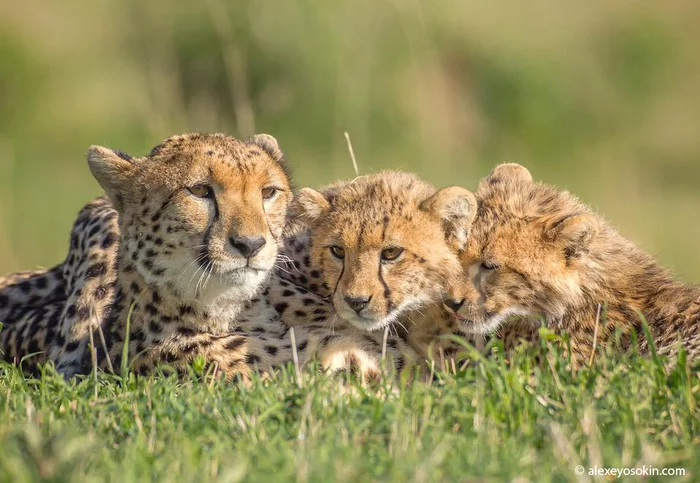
[357,303]
[247,245]
[454,305]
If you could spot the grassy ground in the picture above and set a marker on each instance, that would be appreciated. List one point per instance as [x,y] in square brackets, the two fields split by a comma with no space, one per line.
[494,420]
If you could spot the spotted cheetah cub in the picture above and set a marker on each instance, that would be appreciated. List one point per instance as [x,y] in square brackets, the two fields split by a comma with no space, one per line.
[382,247]
[537,251]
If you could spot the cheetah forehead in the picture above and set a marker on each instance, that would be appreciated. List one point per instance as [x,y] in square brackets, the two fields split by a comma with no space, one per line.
[534,203]
[373,209]
[224,159]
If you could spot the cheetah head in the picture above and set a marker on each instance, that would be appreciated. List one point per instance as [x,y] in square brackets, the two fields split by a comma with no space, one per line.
[528,252]
[385,243]
[202,215]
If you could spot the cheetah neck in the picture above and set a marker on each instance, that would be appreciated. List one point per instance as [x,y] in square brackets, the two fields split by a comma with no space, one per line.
[159,306]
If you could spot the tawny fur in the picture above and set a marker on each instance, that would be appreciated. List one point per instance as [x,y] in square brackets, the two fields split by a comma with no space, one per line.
[367,215]
[538,251]
[122,266]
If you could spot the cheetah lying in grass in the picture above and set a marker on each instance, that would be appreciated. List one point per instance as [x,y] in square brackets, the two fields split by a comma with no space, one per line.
[175,264]
[538,251]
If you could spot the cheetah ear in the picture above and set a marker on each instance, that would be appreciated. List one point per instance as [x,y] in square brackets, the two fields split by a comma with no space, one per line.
[575,233]
[309,205]
[508,173]
[456,208]
[112,169]
[268,144]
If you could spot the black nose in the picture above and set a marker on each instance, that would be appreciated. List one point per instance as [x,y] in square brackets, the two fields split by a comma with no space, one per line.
[248,245]
[454,305]
[358,303]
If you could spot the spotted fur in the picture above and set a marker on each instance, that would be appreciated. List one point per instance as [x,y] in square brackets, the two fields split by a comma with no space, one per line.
[364,217]
[126,250]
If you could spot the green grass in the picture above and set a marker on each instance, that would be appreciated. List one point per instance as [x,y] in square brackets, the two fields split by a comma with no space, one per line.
[494,420]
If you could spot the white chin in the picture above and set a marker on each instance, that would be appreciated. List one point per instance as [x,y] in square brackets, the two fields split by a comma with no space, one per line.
[237,285]
[366,325]
[369,325]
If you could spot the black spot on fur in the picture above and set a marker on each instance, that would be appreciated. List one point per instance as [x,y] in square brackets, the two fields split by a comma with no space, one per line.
[234,344]
[252,359]
[186,331]
[123,155]
[96,270]
[138,335]
[72,346]
[100,292]
[93,231]
[109,240]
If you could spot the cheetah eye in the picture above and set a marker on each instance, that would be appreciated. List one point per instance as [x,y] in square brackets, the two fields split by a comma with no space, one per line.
[391,254]
[201,191]
[490,265]
[269,192]
[337,252]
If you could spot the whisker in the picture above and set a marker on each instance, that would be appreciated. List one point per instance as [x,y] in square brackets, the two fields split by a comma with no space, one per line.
[288,262]
[211,271]
[197,293]
[200,257]
[192,278]
[283,270]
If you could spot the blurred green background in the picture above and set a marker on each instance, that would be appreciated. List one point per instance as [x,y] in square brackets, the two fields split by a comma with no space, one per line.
[599,97]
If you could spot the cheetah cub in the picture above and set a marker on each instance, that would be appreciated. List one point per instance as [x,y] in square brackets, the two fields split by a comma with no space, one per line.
[536,251]
[382,248]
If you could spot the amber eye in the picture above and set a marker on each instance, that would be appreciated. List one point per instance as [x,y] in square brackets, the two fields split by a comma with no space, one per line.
[201,191]
[337,252]
[269,192]
[392,253]
[490,265]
